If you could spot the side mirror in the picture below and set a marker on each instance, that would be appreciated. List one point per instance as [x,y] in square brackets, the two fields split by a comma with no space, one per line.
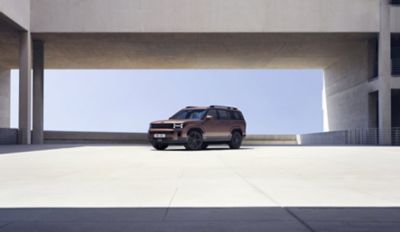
[209,117]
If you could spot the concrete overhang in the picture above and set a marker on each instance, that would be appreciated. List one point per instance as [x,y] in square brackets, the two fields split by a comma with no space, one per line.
[197,50]
[188,50]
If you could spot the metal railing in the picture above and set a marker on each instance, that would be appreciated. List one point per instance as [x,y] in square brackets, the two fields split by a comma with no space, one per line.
[365,136]
[371,136]
[8,136]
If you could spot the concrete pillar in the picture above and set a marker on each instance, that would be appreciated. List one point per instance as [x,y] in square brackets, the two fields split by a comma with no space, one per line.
[25,85]
[4,97]
[385,77]
[38,81]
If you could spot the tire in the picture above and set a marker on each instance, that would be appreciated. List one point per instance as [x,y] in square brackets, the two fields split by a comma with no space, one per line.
[160,146]
[194,140]
[204,146]
[236,140]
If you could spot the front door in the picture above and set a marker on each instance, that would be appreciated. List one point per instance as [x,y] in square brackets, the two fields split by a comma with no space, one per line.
[211,126]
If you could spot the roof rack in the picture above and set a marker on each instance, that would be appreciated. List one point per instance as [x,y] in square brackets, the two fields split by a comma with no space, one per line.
[223,107]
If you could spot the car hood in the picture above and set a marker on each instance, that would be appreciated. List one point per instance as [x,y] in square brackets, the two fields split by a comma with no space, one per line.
[173,121]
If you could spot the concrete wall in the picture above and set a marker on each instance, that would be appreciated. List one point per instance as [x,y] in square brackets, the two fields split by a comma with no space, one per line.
[141,138]
[18,11]
[270,140]
[205,16]
[346,87]
[4,98]
[326,138]
[94,137]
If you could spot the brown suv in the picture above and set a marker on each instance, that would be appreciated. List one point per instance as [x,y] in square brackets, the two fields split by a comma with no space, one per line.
[197,127]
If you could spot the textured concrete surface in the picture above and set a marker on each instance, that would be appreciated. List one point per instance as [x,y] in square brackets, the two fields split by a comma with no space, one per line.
[5,102]
[134,188]
[138,176]
[205,16]
[18,11]
[385,73]
[211,16]
[25,89]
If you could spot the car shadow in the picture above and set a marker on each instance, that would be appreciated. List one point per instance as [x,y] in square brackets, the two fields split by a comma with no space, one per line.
[208,149]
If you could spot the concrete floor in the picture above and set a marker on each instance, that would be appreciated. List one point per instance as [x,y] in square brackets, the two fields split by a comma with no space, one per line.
[134,188]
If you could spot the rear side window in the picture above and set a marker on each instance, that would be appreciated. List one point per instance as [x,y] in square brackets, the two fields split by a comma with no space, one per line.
[223,115]
[236,115]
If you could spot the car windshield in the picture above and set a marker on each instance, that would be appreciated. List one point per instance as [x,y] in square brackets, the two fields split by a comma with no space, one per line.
[190,114]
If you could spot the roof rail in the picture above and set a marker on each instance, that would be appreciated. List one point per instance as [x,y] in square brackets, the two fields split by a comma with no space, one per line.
[190,107]
[223,107]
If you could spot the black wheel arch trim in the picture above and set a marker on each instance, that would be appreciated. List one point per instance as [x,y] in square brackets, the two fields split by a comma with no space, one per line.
[237,129]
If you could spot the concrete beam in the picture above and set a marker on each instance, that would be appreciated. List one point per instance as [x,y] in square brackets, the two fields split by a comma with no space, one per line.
[38,81]
[182,16]
[18,11]
[4,97]
[25,85]
[385,121]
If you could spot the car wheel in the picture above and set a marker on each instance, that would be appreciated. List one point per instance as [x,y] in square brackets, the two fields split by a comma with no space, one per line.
[236,140]
[160,146]
[194,140]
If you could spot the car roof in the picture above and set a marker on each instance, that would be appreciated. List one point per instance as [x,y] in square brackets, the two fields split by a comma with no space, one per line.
[211,107]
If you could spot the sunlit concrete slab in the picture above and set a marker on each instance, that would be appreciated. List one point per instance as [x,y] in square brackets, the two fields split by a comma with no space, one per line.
[138,176]
[135,188]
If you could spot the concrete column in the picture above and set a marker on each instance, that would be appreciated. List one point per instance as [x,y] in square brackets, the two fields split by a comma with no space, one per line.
[385,121]
[4,97]
[25,86]
[38,81]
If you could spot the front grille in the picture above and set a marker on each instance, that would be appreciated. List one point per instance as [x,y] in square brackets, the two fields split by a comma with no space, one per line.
[162,126]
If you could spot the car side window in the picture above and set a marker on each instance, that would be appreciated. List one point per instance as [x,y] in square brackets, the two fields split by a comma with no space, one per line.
[223,115]
[235,115]
[213,113]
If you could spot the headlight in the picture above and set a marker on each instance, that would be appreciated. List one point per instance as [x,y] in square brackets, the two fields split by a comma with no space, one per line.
[178,125]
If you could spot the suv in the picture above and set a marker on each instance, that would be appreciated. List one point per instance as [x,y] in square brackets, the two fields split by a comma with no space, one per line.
[197,127]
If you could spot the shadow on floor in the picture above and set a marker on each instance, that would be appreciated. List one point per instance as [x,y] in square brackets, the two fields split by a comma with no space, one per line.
[217,148]
[276,219]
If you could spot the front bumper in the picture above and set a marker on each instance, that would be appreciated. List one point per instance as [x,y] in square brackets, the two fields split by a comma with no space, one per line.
[172,136]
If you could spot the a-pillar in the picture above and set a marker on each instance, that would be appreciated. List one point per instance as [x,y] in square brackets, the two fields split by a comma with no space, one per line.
[385,121]
[25,85]
[38,81]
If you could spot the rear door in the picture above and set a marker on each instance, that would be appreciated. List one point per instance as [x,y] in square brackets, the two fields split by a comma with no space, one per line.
[225,124]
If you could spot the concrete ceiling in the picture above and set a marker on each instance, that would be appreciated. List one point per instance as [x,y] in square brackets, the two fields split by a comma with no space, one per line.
[186,51]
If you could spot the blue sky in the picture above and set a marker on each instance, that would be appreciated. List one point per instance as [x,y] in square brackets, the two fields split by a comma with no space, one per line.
[272,101]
